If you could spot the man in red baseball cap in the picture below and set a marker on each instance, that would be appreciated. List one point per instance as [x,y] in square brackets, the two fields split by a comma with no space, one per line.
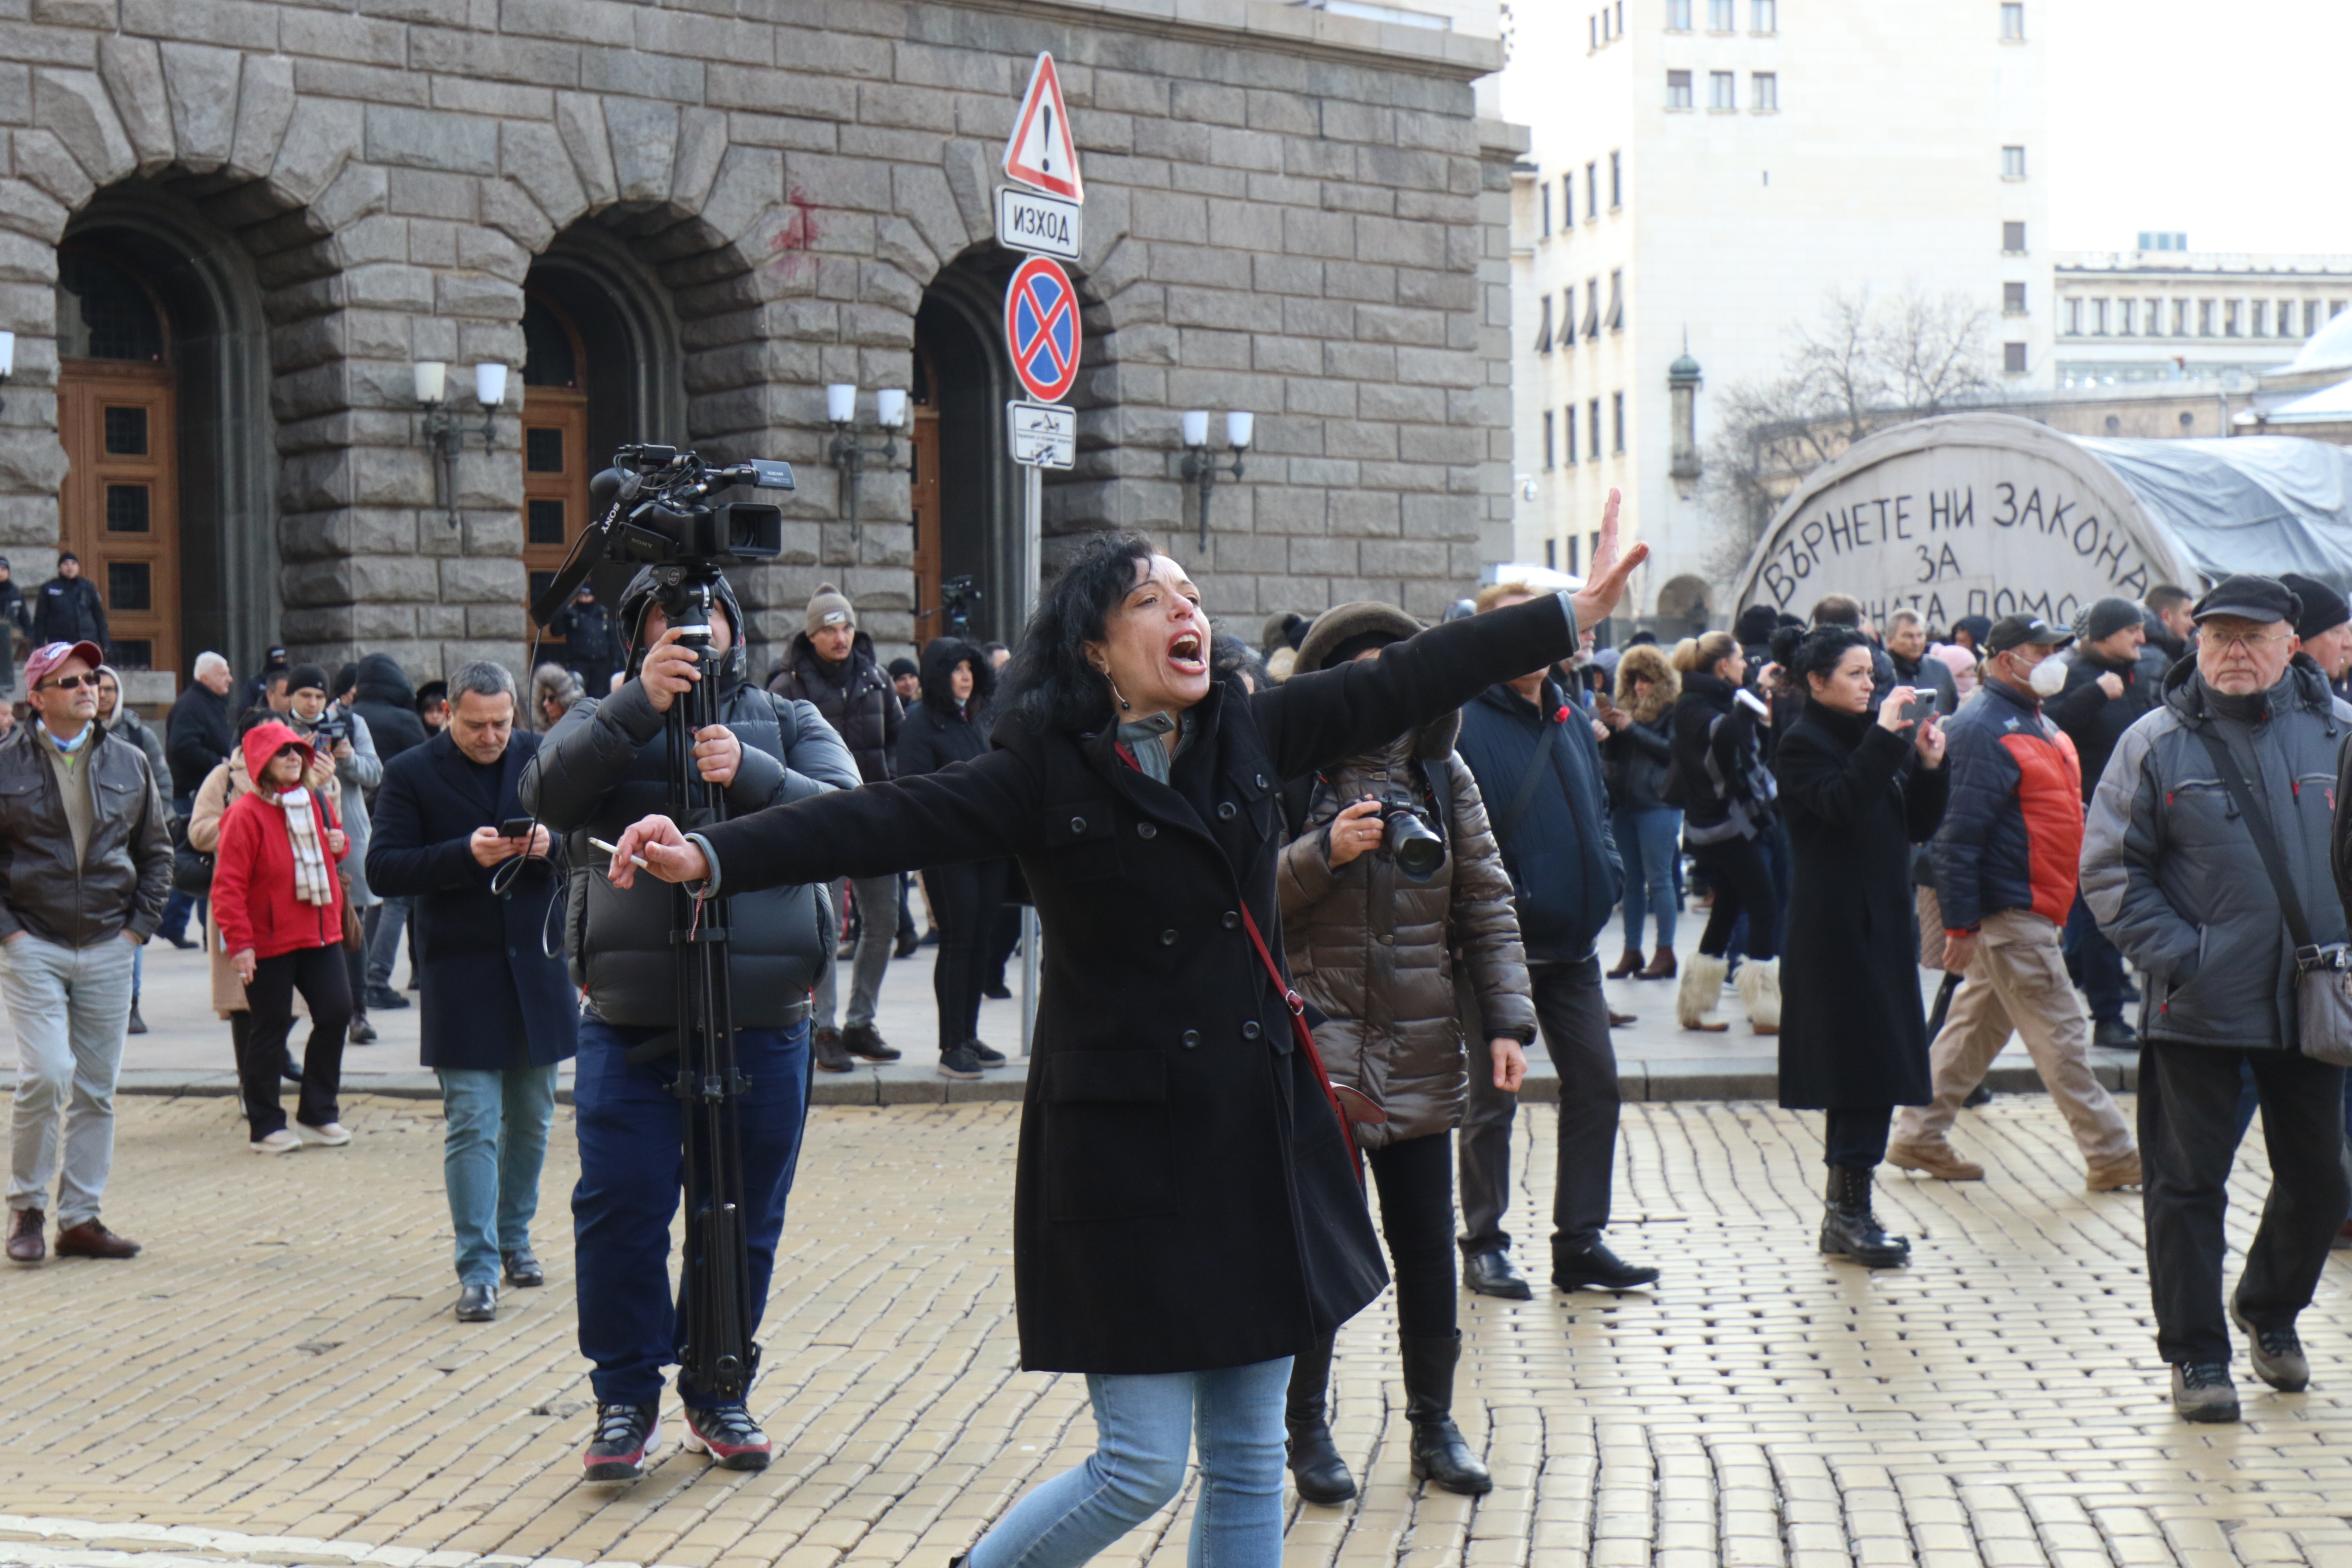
[85,864]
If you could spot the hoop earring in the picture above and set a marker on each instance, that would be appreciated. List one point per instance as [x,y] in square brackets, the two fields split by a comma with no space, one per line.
[1124,705]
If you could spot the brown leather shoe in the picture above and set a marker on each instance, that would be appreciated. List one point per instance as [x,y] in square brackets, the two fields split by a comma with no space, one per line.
[1627,964]
[1662,967]
[25,1242]
[90,1239]
[2108,1175]
[1938,1160]
[1619,1020]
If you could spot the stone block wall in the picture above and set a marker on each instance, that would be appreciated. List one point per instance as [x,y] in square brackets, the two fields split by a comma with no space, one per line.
[1288,212]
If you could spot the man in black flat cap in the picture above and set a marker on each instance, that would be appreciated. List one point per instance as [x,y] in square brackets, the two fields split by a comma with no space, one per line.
[2105,692]
[2174,870]
[2323,633]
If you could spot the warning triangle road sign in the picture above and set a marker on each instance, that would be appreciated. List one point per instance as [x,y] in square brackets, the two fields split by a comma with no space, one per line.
[1041,152]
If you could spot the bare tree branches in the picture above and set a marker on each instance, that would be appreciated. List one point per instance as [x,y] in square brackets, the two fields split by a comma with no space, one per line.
[1863,365]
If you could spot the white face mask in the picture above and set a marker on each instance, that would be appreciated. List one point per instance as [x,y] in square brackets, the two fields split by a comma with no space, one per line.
[2049,676]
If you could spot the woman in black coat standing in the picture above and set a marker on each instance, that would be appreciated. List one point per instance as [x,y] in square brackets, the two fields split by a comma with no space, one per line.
[1186,1208]
[1857,792]
[947,727]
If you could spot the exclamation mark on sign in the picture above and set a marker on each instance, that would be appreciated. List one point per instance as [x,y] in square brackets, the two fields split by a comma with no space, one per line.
[1045,153]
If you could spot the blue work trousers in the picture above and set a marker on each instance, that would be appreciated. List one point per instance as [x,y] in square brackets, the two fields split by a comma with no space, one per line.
[631,1169]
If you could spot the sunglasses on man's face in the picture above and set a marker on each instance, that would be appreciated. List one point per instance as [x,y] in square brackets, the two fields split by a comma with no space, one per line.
[70,683]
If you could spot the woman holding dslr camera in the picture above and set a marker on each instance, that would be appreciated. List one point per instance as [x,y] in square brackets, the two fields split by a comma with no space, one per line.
[1186,1212]
[1372,929]
[1858,789]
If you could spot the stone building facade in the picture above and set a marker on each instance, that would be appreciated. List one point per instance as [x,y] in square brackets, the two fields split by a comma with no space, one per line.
[230,229]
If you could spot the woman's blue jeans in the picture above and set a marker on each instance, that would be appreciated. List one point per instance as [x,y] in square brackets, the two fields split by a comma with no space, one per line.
[1649,841]
[1144,1426]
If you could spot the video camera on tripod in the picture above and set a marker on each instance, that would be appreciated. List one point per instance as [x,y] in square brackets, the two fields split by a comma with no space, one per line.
[654,506]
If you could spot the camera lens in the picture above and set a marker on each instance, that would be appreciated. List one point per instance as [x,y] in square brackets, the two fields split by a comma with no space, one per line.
[1418,851]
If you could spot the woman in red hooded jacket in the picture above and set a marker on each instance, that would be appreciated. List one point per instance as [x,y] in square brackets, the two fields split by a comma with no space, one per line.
[279,900]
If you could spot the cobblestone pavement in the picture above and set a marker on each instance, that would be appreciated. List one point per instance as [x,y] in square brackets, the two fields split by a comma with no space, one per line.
[278,1379]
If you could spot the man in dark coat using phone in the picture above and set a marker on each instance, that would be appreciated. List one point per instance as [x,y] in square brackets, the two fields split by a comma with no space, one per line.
[499,1013]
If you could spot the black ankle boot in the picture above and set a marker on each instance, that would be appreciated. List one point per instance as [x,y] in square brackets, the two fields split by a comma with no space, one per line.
[1320,1475]
[1849,1226]
[1439,1452]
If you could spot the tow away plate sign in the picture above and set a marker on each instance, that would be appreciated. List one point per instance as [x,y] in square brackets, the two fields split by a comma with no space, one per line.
[1043,226]
[1044,435]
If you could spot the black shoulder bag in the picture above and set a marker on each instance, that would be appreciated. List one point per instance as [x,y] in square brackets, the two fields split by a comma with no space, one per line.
[2322,975]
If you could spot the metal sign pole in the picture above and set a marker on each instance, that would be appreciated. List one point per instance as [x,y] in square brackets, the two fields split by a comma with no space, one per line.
[1032,525]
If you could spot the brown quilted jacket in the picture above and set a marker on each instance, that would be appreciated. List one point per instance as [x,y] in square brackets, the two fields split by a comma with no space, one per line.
[1374,950]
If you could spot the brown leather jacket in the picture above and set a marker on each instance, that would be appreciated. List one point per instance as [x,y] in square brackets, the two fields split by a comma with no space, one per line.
[124,875]
[1375,950]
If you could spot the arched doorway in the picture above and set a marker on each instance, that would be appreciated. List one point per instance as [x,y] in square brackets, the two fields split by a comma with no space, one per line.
[170,497]
[964,485]
[602,368]
[556,463]
[118,509]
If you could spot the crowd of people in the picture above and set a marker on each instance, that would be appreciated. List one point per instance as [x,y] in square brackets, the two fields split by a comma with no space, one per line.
[1305,907]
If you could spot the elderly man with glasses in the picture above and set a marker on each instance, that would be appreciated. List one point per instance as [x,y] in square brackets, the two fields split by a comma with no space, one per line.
[2243,743]
[85,859]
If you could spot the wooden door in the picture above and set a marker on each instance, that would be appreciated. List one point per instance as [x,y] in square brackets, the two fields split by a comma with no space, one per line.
[923,495]
[120,504]
[555,474]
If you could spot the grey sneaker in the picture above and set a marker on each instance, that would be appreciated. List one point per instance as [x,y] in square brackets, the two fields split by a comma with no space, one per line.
[958,1062]
[2277,1354]
[2204,1392]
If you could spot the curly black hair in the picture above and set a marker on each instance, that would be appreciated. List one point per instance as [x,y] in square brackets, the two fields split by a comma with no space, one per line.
[1049,681]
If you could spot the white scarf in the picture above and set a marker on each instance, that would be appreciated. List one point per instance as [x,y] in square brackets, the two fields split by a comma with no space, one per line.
[310,884]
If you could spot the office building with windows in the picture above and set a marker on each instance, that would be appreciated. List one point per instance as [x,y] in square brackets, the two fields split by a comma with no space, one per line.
[2164,313]
[1701,175]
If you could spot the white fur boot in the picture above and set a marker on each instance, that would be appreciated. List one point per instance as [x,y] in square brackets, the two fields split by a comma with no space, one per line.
[1760,989]
[1701,987]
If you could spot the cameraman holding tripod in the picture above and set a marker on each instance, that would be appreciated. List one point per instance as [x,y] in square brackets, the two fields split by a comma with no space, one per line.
[604,766]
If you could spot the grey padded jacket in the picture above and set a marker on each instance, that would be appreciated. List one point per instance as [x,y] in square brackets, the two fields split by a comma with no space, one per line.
[2170,869]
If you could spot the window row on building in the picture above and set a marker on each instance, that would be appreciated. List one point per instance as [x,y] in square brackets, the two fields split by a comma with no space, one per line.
[1723,15]
[2208,316]
[1562,423]
[1592,183]
[1722,91]
[1577,553]
[1595,321]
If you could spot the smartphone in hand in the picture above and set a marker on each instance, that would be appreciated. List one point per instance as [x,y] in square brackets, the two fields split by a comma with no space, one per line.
[516,827]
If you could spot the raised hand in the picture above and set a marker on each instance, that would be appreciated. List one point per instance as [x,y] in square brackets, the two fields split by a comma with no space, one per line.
[1597,600]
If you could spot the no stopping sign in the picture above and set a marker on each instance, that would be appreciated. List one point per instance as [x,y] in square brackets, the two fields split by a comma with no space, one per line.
[1040,328]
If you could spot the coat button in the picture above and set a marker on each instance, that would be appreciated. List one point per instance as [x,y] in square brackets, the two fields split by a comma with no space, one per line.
[1227,811]
[1168,938]
[1078,825]
[1192,1040]
[1261,781]
[1232,920]
[1147,830]
[1250,1031]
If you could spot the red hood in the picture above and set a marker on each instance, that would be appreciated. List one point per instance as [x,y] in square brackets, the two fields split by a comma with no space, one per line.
[264,742]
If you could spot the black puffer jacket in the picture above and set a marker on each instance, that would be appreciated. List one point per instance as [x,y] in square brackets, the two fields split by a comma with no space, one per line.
[605,764]
[855,697]
[385,700]
[1725,787]
[937,733]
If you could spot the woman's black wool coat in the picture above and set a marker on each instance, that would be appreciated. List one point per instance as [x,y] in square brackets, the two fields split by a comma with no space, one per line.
[1184,1199]
[1855,800]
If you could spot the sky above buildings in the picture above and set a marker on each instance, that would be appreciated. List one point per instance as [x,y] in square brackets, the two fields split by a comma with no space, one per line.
[2223,121]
